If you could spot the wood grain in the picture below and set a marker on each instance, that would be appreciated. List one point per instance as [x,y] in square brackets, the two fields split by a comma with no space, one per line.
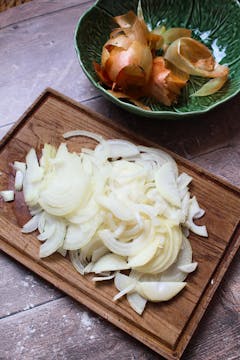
[165,328]
[86,336]
[52,61]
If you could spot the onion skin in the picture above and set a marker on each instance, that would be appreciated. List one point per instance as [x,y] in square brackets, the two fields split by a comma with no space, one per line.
[126,60]
[211,86]
[194,58]
[164,85]
[175,33]
[137,59]
[130,68]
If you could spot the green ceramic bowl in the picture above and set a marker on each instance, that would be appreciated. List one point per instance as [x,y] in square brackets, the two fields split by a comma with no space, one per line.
[214,22]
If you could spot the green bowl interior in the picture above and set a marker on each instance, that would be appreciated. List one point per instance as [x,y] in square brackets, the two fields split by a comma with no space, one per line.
[214,22]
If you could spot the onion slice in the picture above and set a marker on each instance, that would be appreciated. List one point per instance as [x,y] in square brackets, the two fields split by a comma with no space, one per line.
[110,262]
[137,302]
[84,133]
[7,195]
[188,268]
[32,224]
[159,291]
[18,180]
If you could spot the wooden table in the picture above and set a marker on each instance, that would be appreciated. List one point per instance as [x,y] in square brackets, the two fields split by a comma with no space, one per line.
[36,320]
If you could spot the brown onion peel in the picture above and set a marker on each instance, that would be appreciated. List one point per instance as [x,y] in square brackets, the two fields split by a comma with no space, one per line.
[130,68]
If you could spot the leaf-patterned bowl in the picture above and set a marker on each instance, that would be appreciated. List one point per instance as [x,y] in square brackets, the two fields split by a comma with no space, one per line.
[214,22]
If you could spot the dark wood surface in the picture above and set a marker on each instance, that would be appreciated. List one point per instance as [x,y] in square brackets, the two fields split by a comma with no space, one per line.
[36,320]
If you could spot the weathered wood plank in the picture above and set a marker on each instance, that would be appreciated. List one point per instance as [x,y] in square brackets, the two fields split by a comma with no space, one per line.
[20,289]
[75,332]
[51,61]
[224,162]
[4,130]
[219,332]
[66,330]
[35,9]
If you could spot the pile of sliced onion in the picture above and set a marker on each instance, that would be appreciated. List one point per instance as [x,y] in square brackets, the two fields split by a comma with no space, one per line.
[118,207]
[130,67]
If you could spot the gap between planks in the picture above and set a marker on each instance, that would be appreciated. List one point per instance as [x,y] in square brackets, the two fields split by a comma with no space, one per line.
[210,152]
[44,303]
[84,101]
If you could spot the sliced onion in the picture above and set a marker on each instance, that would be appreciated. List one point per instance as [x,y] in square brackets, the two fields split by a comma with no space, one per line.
[19,165]
[173,273]
[159,291]
[122,148]
[188,268]
[32,178]
[35,172]
[194,212]
[47,158]
[7,195]
[120,248]
[110,262]
[123,292]
[62,251]
[18,180]
[165,256]
[147,254]
[122,281]
[183,180]
[117,207]
[78,236]
[84,133]
[32,224]
[54,242]
[103,278]
[137,302]
[98,253]
[35,209]
[166,184]
[48,232]
[74,257]
[160,156]
[63,197]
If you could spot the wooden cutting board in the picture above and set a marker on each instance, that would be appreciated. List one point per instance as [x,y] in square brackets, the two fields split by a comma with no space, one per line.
[164,327]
